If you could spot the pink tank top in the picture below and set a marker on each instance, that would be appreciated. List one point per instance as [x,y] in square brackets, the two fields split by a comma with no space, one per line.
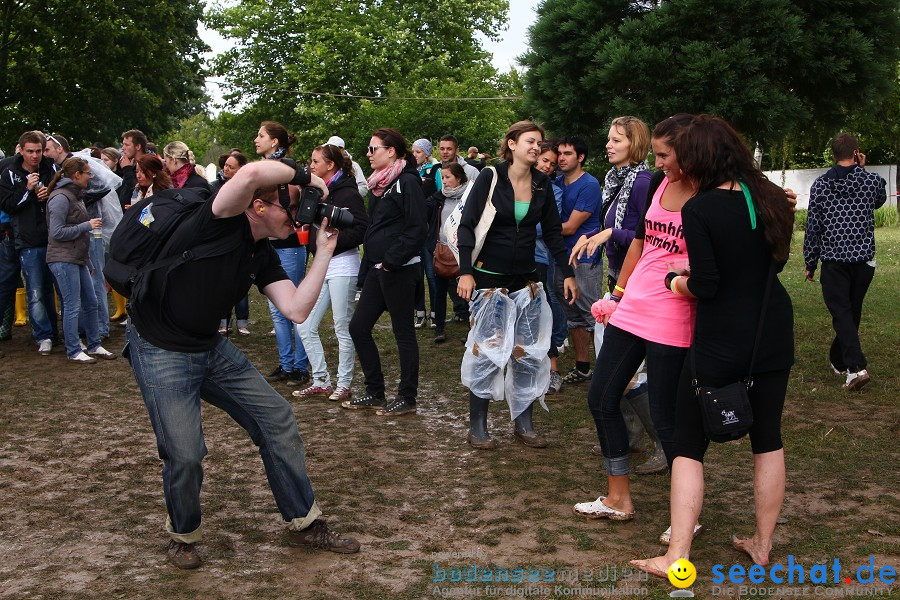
[648,310]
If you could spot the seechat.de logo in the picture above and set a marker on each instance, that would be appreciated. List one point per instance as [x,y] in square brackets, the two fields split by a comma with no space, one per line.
[797,573]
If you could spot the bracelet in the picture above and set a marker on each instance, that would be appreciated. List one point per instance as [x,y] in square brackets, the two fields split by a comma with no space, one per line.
[669,277]
[619,288]
[674,286]
[615,298]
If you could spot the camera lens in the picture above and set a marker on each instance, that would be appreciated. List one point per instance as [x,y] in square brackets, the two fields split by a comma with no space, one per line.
[339,218]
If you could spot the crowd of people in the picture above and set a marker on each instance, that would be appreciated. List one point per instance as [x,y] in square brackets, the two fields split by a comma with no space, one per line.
[518,247]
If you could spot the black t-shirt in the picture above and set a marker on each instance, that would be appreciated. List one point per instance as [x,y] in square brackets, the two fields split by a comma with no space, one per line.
[198,293]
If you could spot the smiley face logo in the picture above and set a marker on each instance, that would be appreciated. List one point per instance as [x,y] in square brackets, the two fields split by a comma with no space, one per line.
[682,573]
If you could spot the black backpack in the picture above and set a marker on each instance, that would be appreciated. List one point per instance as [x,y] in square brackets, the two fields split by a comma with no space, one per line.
[139,243]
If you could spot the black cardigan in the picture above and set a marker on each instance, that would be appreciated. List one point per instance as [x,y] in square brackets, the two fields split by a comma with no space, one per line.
[343,193]
[509,247]
[397,223]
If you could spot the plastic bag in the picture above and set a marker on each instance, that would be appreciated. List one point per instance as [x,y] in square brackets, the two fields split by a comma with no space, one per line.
[104,179]
[528,370]
[489,344]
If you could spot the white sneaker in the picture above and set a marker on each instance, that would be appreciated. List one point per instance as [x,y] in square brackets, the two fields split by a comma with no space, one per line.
[83,358]
[836,372]
[101,352]
[855,381]
[44,347]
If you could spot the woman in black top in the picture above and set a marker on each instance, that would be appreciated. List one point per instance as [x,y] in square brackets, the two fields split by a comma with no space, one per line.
[390,267]
[522,197]
[733,243]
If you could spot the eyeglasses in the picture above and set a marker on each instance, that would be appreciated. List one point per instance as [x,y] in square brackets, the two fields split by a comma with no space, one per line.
[372,149]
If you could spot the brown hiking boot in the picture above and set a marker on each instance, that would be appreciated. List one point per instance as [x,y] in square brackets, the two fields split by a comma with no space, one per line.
[183,556]
[320,537]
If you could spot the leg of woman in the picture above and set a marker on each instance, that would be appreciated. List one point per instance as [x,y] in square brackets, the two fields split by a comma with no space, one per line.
[428,264]
[619,359]
[370,307]
[309,334]
[88,308]
[767,399]
[439,303]
[420,293]
[343,294]
[68,283]
[398,288]
[664,367]
[98,260]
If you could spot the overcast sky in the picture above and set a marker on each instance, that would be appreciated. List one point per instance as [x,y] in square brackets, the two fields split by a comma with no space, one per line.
[513,41]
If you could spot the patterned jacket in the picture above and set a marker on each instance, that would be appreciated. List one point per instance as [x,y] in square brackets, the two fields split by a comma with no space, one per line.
[840,222]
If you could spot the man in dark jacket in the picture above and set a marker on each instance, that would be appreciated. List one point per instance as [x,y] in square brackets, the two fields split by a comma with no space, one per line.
[840,231]
[23,196]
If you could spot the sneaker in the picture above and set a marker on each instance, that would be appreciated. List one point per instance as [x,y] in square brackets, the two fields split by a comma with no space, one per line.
[243,331]
[44,347]
[320,537]
[562,349]
[433,325]
[421,319]
[856,381]
[398,406]
[440,337]
[312,391]
[576,376]
[101,352]
[836,372]
[182,555]
[278,374]
[367,401]
[341,393]
[556,383]
[83,358]
[297,378]
[223,330]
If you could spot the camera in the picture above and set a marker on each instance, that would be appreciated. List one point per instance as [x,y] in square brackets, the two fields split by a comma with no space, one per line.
[310,210]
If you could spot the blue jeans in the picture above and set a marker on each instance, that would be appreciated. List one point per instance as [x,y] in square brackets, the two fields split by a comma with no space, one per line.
[291,354]
[76,290]
[241,311]
[9,270]
[340,294]
[39,288]
[173,383]
[560,328]
[428,265]
[98,260]
[618,361]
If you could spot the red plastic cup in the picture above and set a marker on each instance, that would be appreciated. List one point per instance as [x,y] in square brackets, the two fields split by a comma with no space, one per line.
[303,236]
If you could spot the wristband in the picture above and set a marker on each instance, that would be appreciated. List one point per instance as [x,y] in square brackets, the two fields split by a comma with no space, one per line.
[674,285]
[301,173]
[669,277]
[615,298]
[619,288]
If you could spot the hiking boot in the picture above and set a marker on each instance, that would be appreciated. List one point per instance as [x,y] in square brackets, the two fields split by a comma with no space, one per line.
[101,352]
[182,555]
[278,374]
[318,536]
[398,406]
[556,383]
[44,347]
[576,376]
[367,401]
[341,393]
[313,390]
[856,381]
[297,378]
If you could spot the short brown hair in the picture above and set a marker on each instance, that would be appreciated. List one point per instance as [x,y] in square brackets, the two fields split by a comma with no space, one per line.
[32,137]
[137,138]
[844,146]
[513,133]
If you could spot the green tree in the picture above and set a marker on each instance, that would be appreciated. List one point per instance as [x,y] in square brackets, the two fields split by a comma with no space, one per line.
[774,68]
[286,54]
[94,68]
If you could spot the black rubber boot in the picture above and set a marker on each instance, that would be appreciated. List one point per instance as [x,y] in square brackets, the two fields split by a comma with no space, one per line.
[524,430]
[640,404]
[478,431]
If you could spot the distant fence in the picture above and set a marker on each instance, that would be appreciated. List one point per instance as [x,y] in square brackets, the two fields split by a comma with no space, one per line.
[800,180]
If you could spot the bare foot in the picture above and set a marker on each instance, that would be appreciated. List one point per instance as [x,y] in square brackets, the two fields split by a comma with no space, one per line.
[658,566]
[758,551]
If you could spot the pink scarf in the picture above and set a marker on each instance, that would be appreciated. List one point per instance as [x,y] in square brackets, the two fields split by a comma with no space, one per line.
[379,180]
[180,177]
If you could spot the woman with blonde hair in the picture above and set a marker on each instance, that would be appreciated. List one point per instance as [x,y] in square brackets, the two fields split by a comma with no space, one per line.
[181,166]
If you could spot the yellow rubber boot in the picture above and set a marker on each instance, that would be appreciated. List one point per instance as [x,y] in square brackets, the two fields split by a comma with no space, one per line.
[21,308]
[119,299]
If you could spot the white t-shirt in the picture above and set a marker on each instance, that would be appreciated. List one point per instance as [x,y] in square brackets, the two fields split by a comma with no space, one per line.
[345,264]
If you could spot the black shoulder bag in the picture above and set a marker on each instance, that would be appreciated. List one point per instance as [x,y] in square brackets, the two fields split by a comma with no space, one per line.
[727,413]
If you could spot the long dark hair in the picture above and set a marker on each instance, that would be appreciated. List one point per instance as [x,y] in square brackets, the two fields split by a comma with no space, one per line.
[280,133]
[394,139]
[152,166]
[68,168]
[337,155]
[710,153]
[667,129]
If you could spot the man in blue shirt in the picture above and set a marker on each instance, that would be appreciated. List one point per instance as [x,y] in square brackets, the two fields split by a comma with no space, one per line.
[580,215]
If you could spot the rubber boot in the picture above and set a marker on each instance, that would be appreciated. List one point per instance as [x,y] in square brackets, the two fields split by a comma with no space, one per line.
[524,430]
[634,427]
[639,401]
[119,300]
[21,307]
[478,431]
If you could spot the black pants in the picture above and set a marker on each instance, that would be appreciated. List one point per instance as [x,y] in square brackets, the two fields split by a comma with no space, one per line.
[844,287]
[395,292]
[442,286]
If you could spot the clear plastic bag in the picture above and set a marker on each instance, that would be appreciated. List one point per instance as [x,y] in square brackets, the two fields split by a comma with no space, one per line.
[489,344]
[104,179]
[528,371]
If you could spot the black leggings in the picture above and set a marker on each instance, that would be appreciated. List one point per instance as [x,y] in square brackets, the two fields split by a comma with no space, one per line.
[766,399]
